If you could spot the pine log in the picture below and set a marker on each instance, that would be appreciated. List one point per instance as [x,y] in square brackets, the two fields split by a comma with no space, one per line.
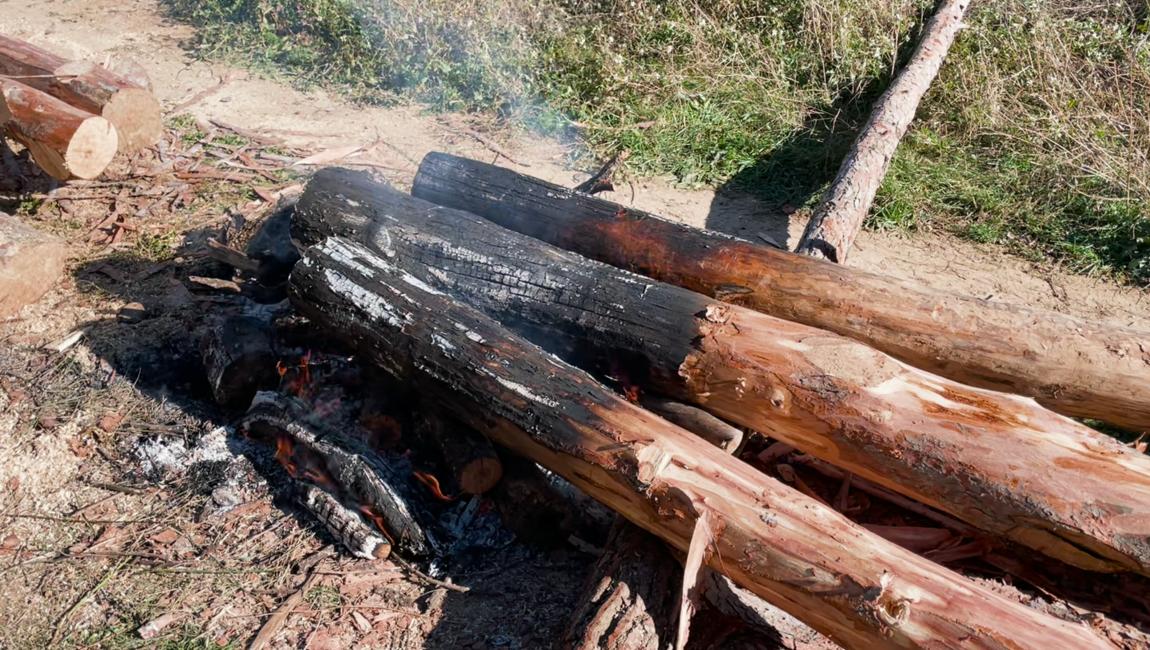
[629,602]
[852,585]
[1001,463]
[64,141]
[836,221]
[1079,368]
[470,457]
[132,110]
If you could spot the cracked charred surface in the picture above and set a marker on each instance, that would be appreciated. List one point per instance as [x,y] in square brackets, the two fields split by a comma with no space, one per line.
[1075,367]
[850,584]
[1000,462]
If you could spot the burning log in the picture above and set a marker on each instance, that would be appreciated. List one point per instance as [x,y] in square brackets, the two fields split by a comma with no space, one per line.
[1078,368]
[64,141]
[132,110]
[356,479]
[859,589]
[1001,463]
[470,456]
[629,603]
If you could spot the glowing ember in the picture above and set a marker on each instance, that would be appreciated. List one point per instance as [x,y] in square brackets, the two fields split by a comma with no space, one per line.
[432,484]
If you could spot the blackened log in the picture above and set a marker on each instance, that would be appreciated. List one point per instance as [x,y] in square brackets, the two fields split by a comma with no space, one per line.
[360,480]
[345,524]
[629,602]
[239,356]
[1000,462]
[854,586]
[470,457]
[1073,366]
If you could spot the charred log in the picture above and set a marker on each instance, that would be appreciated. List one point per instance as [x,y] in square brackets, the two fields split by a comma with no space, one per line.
[345,524]
[1075,367]
[1001,463]
[470,457]
[239,355]
[359,481]
[861,590]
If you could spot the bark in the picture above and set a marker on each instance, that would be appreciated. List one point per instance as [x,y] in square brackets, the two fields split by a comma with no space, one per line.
[838,218]
[999,462]
[345,524]
[132,109]
[470,457]
[629,602]
[859,589]
[697,421]
[64,141]
[1076,367]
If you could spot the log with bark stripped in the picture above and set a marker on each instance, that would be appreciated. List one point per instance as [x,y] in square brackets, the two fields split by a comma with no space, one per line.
[132,109]
[1078,368]
[65,141]
[1000,462]
[859,589]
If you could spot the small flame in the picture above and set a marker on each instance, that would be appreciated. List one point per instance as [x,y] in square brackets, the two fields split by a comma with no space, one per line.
[432,484]
[371,513]
[300,383]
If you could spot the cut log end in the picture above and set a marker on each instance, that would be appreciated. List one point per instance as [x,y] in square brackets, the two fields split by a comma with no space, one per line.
[92,148]
[480,475]
[135,113]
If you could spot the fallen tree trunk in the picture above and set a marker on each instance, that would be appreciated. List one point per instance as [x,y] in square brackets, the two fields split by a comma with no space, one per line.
[131,109]
[836,221]
[1075,367]
[859,589]
[64,141]
[1001,463]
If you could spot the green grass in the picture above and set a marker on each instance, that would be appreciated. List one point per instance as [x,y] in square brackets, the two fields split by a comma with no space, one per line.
[1033,137]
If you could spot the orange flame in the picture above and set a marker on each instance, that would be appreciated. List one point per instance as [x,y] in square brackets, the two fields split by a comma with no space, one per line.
[300,384]
[371,513]
[432,484]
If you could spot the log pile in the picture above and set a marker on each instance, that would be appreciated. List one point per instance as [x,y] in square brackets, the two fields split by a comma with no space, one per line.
[72,116]
[710,430]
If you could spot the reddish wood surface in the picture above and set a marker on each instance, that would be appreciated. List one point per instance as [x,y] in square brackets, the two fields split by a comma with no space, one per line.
[64,141]
[132,109]
[1002,463]
[801,555]
[1079,368]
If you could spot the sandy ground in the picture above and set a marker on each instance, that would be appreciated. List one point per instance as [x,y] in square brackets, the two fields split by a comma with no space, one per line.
[53,469]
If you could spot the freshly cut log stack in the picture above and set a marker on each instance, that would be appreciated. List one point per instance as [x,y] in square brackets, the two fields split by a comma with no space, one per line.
[1001,463]
[1075,367]
[72,115]
[856,587]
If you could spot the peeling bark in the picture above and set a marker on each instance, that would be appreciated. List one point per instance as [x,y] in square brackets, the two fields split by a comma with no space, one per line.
[859,589]
[1075,367]
[1001,463]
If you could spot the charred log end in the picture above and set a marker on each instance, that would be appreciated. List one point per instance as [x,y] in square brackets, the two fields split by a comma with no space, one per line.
[480,475]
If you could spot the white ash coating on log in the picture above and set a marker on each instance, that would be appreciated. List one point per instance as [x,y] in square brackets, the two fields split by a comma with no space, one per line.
[836,221]
[862,591]
[629,602]
[131,109]
[358,477]
[64,141]
[1000,462]
[345,524]
[1079,368]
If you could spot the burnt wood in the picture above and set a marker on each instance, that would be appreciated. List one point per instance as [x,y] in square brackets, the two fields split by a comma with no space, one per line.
[1076,367]
[470,457]
[1002,463]
[859,589]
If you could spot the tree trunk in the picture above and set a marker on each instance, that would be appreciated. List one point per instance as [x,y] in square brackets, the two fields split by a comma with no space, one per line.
[1001,463]
[64,141]
[859,589]
[131,109]
[1075,367]
[629,603]
[838,218]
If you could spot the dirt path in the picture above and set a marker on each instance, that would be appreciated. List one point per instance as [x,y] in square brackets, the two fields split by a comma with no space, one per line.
[399,137]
